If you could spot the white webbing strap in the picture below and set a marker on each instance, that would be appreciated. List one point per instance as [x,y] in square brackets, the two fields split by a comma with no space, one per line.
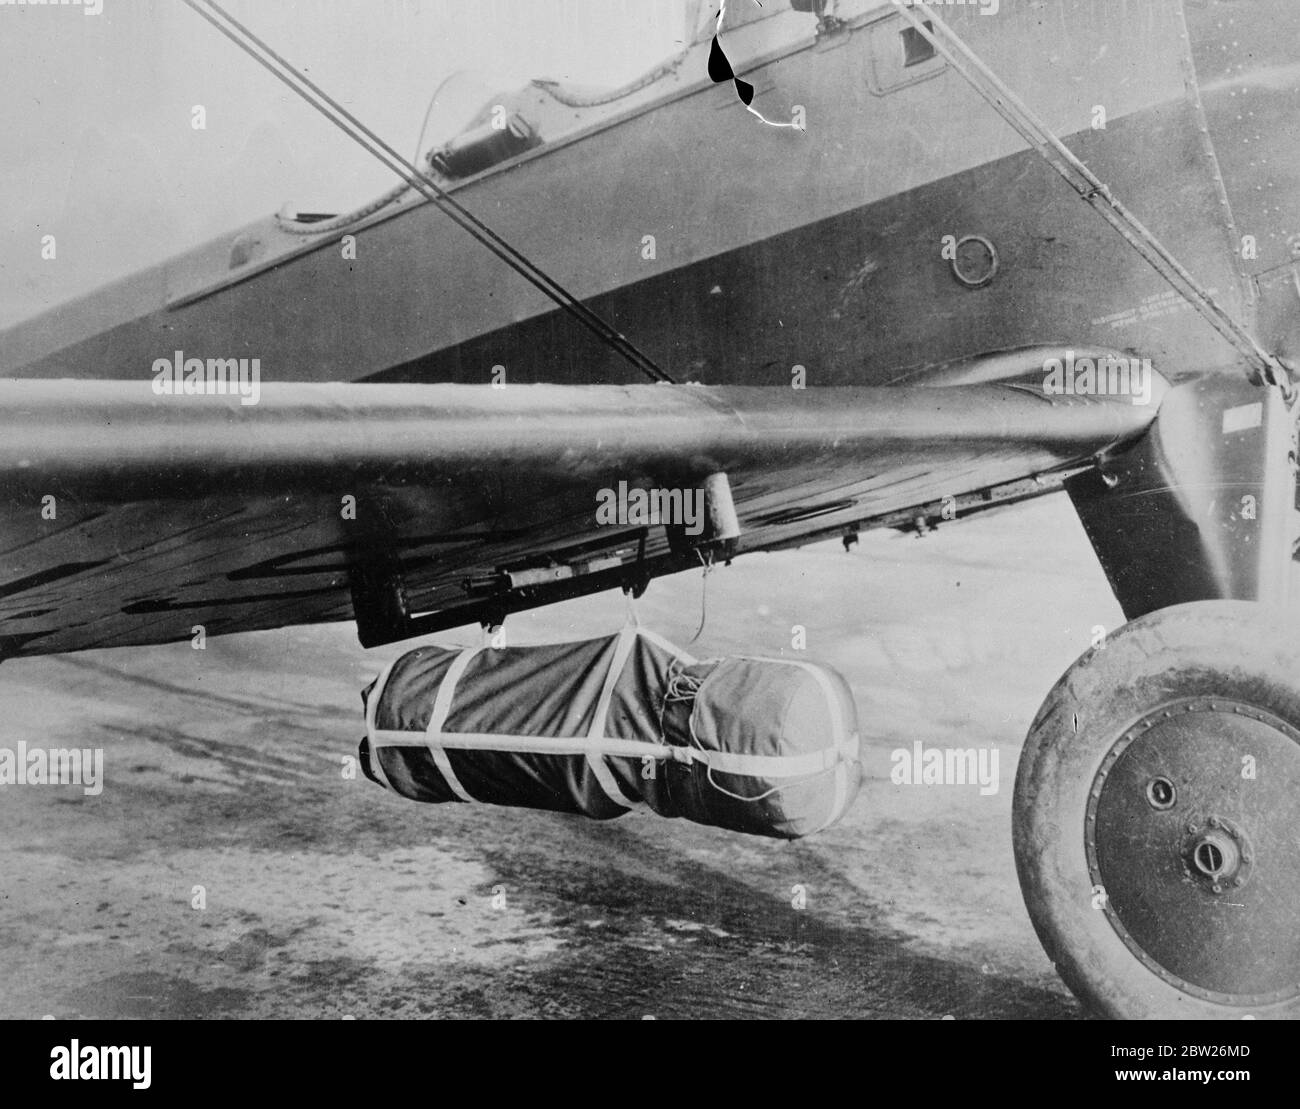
[724,762]
[769,766]
[671,648]
[844,749]
[846,745]
[540,745]
[372,709]
[595,746]
[441,710]
[595,760]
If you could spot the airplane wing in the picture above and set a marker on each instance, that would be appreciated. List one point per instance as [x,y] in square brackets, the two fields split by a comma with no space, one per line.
[131,518]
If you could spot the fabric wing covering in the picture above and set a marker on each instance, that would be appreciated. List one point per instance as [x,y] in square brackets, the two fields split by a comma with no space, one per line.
[600,727]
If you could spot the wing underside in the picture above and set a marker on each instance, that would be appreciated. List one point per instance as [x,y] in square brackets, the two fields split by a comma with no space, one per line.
[129,518]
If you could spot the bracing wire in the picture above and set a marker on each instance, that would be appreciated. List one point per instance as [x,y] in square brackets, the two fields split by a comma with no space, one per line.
[309,91]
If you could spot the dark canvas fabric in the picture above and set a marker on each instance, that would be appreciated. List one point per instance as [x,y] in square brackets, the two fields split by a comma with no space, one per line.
[766,708]
[721,708]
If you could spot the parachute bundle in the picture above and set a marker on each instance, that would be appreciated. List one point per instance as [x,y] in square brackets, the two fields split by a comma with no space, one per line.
[604,726]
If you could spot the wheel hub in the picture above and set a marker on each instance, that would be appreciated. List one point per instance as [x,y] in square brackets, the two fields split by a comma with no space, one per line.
[1217,854]
[1190,833]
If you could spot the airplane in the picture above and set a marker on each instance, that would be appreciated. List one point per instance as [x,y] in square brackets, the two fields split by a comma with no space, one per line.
[836,265]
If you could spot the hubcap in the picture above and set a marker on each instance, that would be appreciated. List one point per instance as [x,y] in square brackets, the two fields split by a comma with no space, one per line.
[1191,832]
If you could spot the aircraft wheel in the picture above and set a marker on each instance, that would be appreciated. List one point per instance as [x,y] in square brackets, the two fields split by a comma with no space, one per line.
[1156,815]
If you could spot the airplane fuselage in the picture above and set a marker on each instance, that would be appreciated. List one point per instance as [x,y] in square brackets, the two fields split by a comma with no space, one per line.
[733,252]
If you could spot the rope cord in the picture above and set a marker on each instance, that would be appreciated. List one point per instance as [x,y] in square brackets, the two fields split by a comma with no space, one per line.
[347,219]
[551,88]
[260,52]
[683,687]
[667,69]
[704,595]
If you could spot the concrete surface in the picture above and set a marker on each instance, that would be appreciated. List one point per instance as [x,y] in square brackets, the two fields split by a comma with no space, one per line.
[324,896]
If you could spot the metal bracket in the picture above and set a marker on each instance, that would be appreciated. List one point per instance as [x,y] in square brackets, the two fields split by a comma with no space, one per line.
[379,601]
[1202,507]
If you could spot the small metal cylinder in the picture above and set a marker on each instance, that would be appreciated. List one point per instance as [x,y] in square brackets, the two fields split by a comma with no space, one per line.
[720,510]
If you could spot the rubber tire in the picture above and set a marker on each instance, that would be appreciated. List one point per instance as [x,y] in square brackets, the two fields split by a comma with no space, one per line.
[1216,648]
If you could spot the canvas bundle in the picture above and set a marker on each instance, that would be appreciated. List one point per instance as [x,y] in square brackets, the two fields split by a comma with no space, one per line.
[604,726]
